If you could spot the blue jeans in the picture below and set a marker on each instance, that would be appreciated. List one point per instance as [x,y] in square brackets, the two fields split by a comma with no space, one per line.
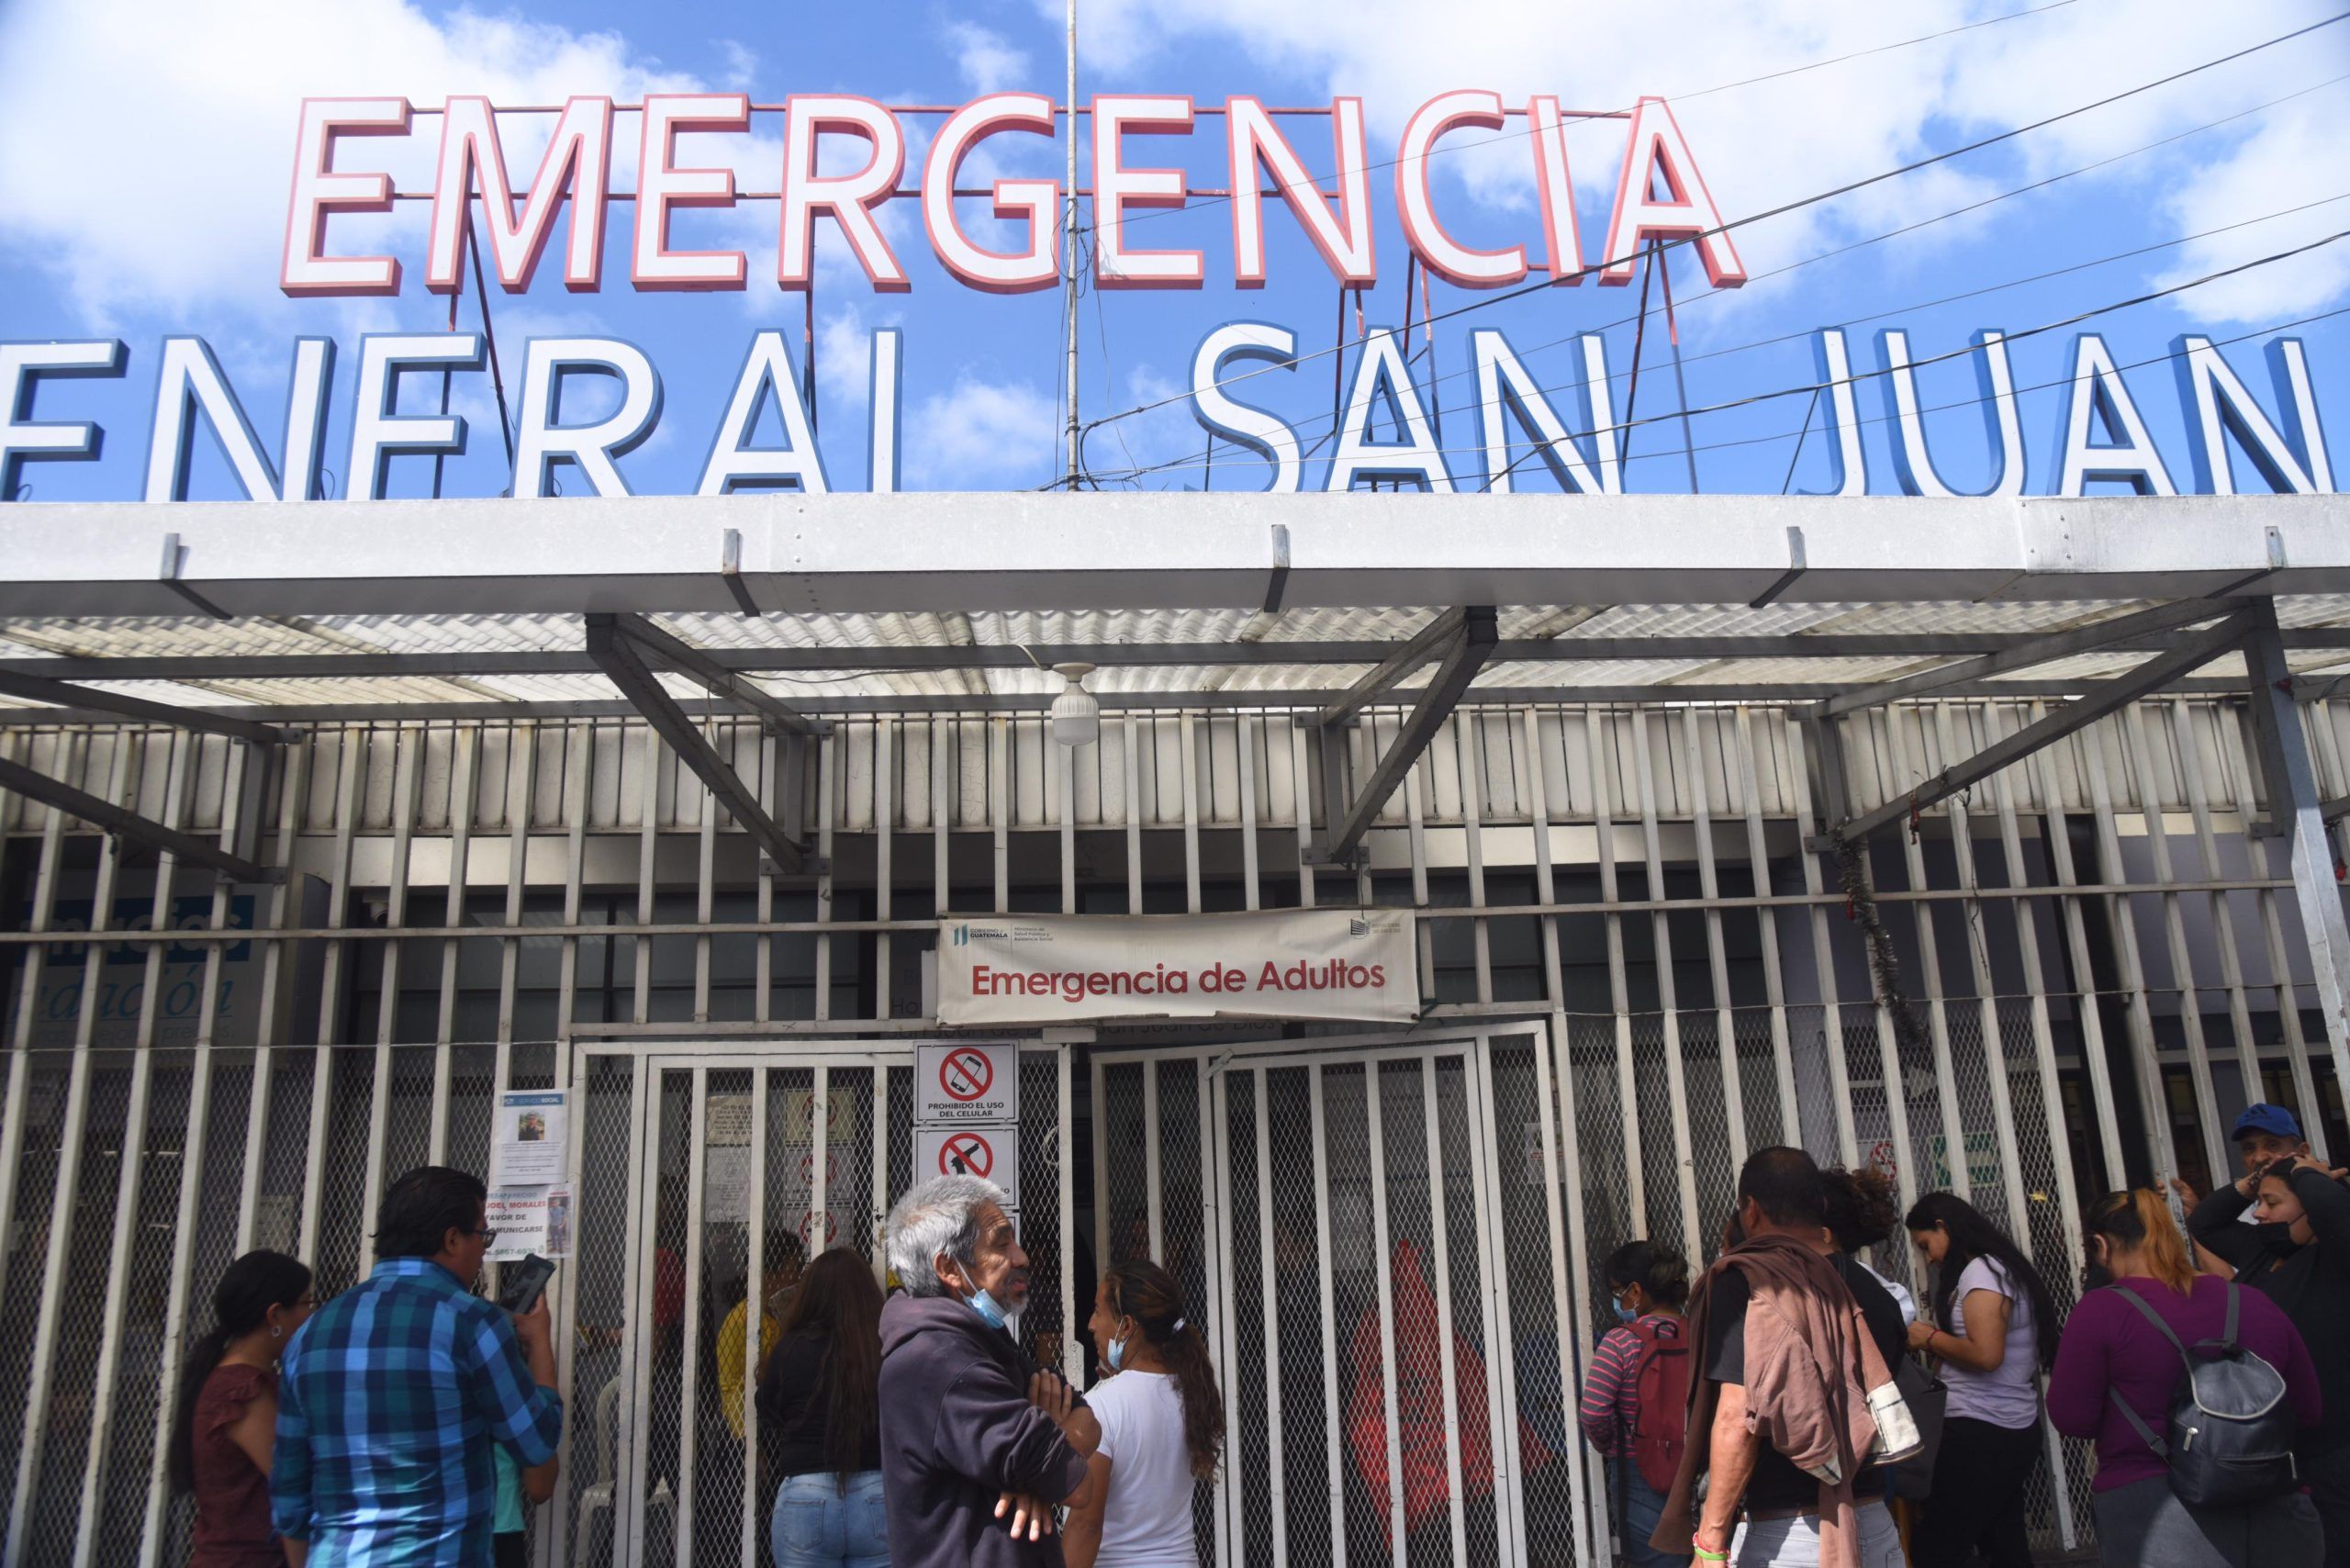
[817,1527]
[1638,1506]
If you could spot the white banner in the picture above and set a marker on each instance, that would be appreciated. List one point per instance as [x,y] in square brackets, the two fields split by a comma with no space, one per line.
[1287,963]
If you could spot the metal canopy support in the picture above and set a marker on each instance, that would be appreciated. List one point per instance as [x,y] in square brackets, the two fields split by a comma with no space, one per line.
[621,658]
[36,689]
[2295,809]
[2095,701]
[2024,655]
[683,658]
[1469,642]
[122,822]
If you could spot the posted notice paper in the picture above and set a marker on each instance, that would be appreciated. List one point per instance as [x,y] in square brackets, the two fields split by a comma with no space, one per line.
[531,1139]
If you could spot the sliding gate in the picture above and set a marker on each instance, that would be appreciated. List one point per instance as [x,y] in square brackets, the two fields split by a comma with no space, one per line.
[1371,1234]
[710,1175]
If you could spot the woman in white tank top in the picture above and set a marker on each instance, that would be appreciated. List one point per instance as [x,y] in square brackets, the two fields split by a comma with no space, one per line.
[1162,1427]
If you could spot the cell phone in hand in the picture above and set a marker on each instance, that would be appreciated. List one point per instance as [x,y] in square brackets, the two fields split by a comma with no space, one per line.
[525,1284]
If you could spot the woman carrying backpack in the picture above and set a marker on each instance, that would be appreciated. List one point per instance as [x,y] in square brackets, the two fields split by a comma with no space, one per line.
[2298,1254]
[2114,1363]
[1992,1325]
[1635,1397]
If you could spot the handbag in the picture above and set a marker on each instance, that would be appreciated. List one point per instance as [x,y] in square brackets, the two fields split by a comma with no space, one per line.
[1929,1401]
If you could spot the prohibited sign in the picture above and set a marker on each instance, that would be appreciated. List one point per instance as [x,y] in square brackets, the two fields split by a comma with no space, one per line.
[990,1153]
[966,1083]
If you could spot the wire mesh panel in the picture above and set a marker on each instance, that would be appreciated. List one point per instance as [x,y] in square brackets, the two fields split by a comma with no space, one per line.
[606,1119]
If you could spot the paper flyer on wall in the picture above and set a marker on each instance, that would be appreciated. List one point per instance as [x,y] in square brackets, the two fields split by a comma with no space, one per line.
[532,1138]
[531,1219]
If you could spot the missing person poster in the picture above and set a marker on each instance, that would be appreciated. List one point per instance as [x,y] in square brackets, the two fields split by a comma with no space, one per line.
[530,1141]
[531,1219]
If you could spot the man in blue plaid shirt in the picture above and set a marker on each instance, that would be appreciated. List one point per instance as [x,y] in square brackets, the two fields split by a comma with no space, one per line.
[391,1395]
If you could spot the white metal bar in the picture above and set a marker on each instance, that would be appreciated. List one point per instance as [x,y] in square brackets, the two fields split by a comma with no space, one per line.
[39,1420]
[2191,753]
[1468,751]
[829,747]
[1190,741]
[1716,957]
[579,745]
[405,772]
[1067,774]
[1570,1261]
[464,793]
[1065,1240]
[284,910]
[1416,837]
[351,765]
[195,1149]
[1268,1288]
[2182,954]
[2272,927]
[1244,746]
[1685,1155]
[36,964]
[1493,1297]
[1619,1003]
[819,1152]
[632,1479]
[2121,919]
[1302,793]
[1386,1263]
[755,1305]
[2055,834]
[885,823]
[130,1177]
[1000,806]
[1823,960]
[1154,1186]
[1930,961]
[1133,814]
[1749,796]
[705,876]
[879,1199]
[697,1193]
[1224,1331]
[1334,1465]
[1101,1132]
[1448,1375]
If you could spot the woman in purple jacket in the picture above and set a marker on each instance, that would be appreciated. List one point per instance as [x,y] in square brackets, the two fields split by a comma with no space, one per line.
[2109,1350]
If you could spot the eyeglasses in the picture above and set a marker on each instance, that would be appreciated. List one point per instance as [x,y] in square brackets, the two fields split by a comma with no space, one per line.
[488,1235]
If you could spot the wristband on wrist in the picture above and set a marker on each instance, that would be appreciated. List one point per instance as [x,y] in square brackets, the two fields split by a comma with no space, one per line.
[1705,1556]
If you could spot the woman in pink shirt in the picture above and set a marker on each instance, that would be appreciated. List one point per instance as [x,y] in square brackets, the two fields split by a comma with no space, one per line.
[2111,1351]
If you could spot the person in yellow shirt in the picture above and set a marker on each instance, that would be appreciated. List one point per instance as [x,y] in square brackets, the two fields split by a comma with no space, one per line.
[784,1262]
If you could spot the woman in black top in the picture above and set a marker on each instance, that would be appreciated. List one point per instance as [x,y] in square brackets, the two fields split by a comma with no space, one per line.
[2299,1254]
[820,1421]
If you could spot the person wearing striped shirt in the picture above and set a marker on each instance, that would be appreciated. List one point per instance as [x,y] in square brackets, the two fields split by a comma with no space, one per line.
[1648,1286]
[391,1396]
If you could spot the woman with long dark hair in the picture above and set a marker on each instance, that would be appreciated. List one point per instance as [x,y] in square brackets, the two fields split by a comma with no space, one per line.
[820,1410]
[224,1427]
[1162,1426]
[1648,1286]
[1993,1326]
[2113,1365]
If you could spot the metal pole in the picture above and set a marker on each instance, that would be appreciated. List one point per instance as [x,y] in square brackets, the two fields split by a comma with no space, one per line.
[1069,248]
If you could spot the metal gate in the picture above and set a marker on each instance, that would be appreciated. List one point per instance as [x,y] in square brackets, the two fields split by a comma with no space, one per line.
[1382,1280]
[705,1170]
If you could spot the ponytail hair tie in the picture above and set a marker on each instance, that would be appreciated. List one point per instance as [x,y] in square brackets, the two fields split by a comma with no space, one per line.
[1176,1327]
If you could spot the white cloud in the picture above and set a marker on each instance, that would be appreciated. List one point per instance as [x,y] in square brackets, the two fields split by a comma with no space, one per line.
[160,179]
[2295,158]
[989,62]
[1770,142]
[742,65]
[980,434]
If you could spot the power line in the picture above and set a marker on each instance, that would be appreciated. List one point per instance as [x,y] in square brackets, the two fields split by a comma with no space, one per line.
[1797,205]
[1810,388]
[1463,145]
[1330,424]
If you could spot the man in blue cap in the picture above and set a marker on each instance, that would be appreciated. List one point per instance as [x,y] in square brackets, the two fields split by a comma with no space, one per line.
[2265,1133]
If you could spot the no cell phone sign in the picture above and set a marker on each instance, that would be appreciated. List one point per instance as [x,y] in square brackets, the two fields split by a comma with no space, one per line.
[989,1153]
[957,1084]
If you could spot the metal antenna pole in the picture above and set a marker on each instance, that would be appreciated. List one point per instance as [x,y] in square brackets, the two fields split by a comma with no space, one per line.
[1069,248]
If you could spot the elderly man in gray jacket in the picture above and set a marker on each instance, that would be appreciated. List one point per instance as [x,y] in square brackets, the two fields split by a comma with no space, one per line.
[977,1444]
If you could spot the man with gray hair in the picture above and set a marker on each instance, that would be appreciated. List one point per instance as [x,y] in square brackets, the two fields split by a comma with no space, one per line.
[974,1436]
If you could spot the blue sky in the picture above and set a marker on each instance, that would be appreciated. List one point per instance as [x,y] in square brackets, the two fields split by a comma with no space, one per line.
[147,145]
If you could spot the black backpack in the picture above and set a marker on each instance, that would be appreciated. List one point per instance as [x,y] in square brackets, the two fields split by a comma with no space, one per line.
[2231,1427]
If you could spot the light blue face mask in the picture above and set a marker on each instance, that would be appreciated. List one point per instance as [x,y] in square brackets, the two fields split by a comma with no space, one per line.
[989,1312]
[1117,1354]
[1624,1312]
